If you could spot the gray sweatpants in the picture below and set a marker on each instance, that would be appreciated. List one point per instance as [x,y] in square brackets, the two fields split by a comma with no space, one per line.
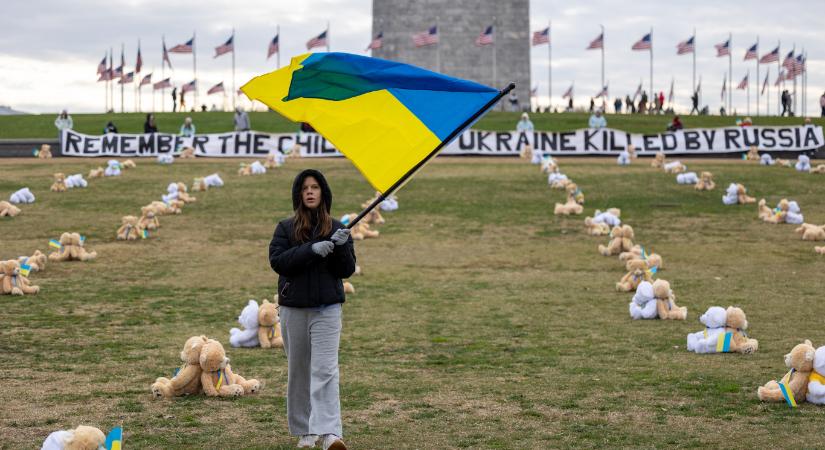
[311,338]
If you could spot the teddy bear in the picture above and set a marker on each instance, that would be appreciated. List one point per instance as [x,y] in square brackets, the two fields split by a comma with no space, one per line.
[627,238]
[811,232]
[389,204]
[614,247]
[766,159]
[536,155]
[269,325]
[734,195]
[784,162]
[76,181]
[643,304]
[803,164]
[7,209]
[215,381]
[624,158]
[294,151]
[374,217]
[763,212]
[654,260]
[45,152]
[816,381]
[705,341]
[187,153]
[549,165]
[574,194]
[22,196]
[112,168]
[794,214]
[213,180]
[637,272]
[274,160]
[96,173]
[148,219]
[595,229]
[251,386]
[736,323]
[165,209]
[129,229]
[183,194]
[257,168]
[819,250]
[71,249]
[742,195]
[187,379]
[36,262]
[59,184]
[674,167]
[658,160]
[558,180]
[13,282]
[128,164]
[666,302]
[565,209]
[753,154]
[171,193]
[611,217]
[81,438]
[348,288]
[248,335]
[820,168]
[245,170]
[687,178]
[198,185]
[800,362]
[785,212]
[165,158]
[705,182]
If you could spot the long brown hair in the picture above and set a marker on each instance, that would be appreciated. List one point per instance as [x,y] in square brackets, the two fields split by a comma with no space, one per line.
[306,220]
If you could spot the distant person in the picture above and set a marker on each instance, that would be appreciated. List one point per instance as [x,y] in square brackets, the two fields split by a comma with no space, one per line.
[786,103]
[64,121]
[110,128]
[675,125]
[174,99]
[822,104]
[617,105]
[188,128]
[661,101]
[241,120]
[203,107]
[629,107]
[694,100]
[746,122]
[597,120]
[722,111]
[214,108]
[513,99]
[570,104]
[182,101]
[149,126]
[643,103]
[592,105]
[524,125]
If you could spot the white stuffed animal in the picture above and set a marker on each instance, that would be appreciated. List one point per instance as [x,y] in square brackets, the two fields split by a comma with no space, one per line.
[257,168]
[674,167]
[171,193]
[536,156]
[556,176]
[76,181]
[546,161]
[623,159]
[389,204]
[687,178]
[705,341]
[766,159]
[794,215]
[816,383]
[731,196]
[248,336]
[22,196]
[643,305]
[113,168]
[165,158]
[213,180]
[81,438]
[803,163]
[606,217]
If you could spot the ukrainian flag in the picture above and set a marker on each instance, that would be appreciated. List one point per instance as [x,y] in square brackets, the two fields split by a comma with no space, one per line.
[385,116]
[114,440]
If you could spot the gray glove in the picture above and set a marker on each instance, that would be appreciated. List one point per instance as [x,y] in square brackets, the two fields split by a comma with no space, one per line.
[323,248]
[340,236]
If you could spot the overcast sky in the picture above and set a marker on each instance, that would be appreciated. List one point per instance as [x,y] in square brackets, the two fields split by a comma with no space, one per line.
[49,50]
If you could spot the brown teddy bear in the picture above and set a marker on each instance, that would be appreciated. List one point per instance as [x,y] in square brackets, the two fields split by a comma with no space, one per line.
[819,250]
[59,184]
[269,327]
[801,362]
[820,168]
[7,209]
[45,151]
[187,153]
[736,323]
[71,249]
[36,262]
[658,161]
[245,169]
[614,247]
[97,173]
[595,229]
[627,238]
[753,154]
[271,161]
[560,183]
[216,380]
[148,219]
[128,164]
[705,182]
[187,379]
[637,272]
[565,209]
[199,185]
[784,162]
[294,151]
[810,232]
[249,386]
[12,282]
[777,215]
[674,167]
[129,229]
[348,288]
[763,211]
[163,209]
[374,217]
[742,195]
[652,259]
[183,194]
[666,302]
[361,230]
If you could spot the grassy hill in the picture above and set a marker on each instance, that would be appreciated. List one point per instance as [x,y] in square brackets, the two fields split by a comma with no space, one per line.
[42,126]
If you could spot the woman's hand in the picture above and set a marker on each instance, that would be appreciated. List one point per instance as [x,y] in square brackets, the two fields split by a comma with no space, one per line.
[323,248]
[340,236]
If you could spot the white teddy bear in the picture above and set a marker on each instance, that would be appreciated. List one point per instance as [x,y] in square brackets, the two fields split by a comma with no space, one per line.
[171,193]
[674,167]
[389,204]
[536,156]
[166,159]
[794,215]
[731,196]
[766,159]
[555,176]
[76,181]
[705,341]
[22,196]
[606,217]
[248,336]
[546,161]
[816,383]
[687,178]
[213,180]
[113,168]
[623,159]
[643,305]
[257,168]
[803,163]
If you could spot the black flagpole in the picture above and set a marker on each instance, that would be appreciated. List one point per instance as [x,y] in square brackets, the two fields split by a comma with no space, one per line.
[435,151]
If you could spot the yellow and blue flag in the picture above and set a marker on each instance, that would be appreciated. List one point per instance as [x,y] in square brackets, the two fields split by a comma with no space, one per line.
[385,116]
[25,269]
[114,440]
[723,342]
[55,243]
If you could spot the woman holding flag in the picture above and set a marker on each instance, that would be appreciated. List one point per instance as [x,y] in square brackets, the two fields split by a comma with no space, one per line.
[312,253]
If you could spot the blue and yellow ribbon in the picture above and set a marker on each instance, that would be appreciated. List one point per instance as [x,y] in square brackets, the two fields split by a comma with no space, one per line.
[55,243]
[25,269]
[221,377]
[786,390]
[723,342]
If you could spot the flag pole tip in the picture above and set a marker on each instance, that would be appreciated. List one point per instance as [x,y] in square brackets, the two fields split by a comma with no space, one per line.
[509,87]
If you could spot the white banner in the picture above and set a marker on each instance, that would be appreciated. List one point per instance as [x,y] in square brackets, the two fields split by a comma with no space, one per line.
[603,141]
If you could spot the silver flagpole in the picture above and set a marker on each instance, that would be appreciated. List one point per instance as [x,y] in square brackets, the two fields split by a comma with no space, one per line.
[757,77]
[234,92]
[651,66]
[602,27]
[793,105]
[195,69]
[549,69]
[122,73]
[730,73]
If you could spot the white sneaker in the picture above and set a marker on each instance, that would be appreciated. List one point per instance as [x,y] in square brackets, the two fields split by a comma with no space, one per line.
[333,442]
[308,441]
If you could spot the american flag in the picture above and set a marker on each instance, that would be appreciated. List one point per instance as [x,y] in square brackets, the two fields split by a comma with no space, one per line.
[765,84]
[162,84]
[190,86]
[128,78]
[779,78]
[273,47]
[685,46]
[798,66]
[644,43]
[770,57]
[568,93]
[743,84]
[723,49]
[426,38]
[789,76]
[106,75]
[596,43]
[602,93]
[226,47]
[146,80]
[638,91]
[215,89]
[486,37]
[376,43]
[317,41]
[789,61]
[541,37]
[165,56]
[101,68]
[139,63]
[118,72]
[752,52]
[183,48]
[724,87]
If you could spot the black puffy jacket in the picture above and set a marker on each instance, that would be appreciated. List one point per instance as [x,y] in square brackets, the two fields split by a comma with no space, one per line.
[306,279]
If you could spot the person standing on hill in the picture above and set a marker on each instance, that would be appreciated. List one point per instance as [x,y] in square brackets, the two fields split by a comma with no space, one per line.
[188,128]
[822,104]
[597,120]
[174,99]
[64,121]
[149,126]
[241,120]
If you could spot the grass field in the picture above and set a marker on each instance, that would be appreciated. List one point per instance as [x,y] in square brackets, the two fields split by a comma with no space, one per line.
[481,320]
[42,126]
